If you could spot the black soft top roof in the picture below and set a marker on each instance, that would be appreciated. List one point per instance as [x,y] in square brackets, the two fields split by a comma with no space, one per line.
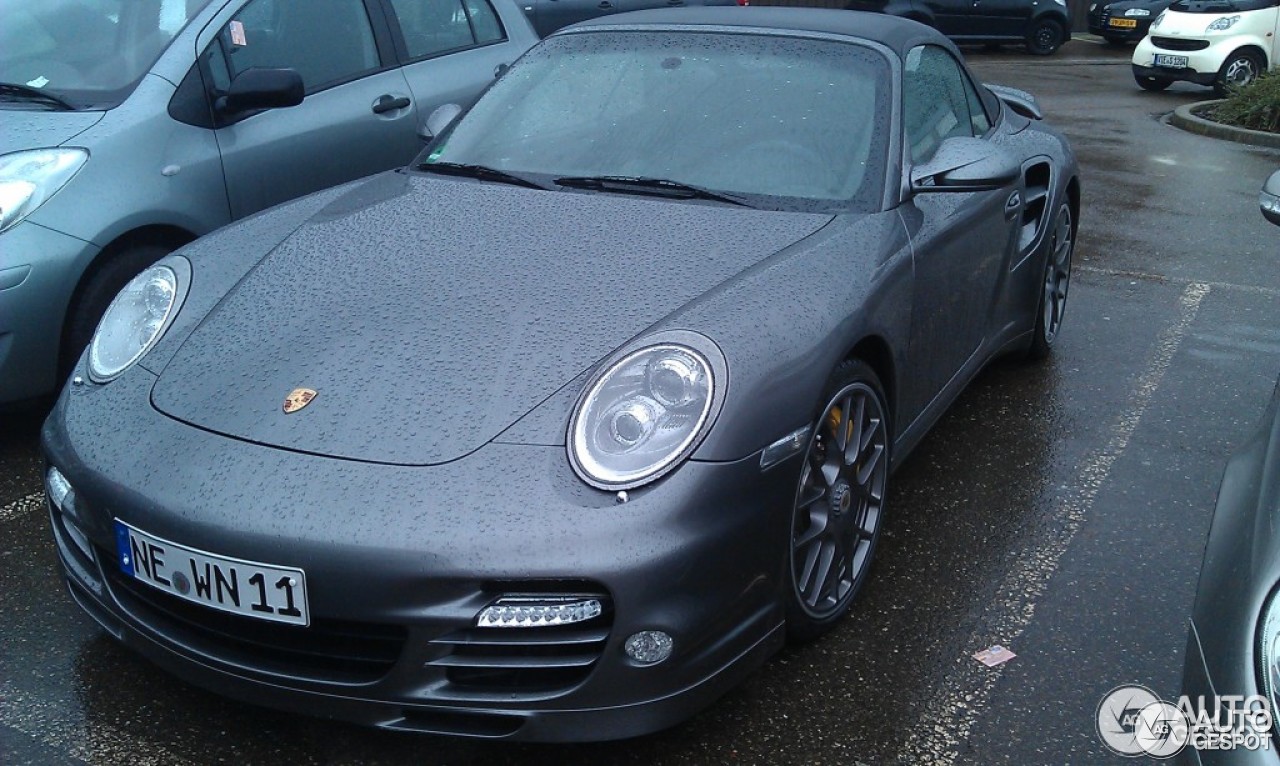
[900,35]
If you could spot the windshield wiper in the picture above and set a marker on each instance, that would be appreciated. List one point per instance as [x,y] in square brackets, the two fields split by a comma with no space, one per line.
[657,187]
[479,172]
[16,91]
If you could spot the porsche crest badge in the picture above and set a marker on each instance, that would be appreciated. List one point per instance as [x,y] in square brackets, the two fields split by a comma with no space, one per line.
[298,398]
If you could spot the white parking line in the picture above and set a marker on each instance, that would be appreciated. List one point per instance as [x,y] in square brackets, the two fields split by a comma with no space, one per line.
[21,507]
[96,744]
[1145,277]
[946,723]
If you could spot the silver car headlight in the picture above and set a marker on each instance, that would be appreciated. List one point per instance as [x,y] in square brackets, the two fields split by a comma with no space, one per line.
[1159,18]
[1222,24]
[137,318]
[1137,13]
[646,411]
[28,179]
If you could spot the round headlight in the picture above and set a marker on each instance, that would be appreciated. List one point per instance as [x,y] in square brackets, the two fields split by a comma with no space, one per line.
[133,322]
[642,415]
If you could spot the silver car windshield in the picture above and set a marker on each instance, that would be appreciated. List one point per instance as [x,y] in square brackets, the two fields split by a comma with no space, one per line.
[781,122]
[84,53]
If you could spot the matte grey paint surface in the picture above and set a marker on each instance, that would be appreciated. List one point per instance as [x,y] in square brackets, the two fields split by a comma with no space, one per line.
[342,285]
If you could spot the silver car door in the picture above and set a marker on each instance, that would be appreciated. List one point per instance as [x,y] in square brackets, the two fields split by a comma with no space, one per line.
[454,48]
[358,116]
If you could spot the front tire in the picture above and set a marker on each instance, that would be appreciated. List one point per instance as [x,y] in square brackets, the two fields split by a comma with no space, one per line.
[1238,71]
[1054,285]
[839,502]
[1045,38]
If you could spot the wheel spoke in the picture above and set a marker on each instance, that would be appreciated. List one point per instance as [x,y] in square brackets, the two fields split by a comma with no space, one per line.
[825,559]
[806,571]
[869,465]
[855,445]
[818,521]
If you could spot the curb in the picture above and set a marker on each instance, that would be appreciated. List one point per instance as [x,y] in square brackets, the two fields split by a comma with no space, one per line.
[1182,117]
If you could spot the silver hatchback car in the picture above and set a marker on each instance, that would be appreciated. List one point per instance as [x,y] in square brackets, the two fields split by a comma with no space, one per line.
[130,127]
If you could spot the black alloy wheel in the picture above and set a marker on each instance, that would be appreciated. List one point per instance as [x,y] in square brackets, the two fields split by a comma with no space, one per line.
[1054,286]
[839,501]
[1045,38]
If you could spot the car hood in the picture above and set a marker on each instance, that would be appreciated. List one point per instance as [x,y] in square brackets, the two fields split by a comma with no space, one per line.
[38,129]
[430,314]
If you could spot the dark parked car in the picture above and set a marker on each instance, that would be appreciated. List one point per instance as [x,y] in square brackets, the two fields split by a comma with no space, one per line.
[559,433]
[549,15]
[1042,26]
[1233,646]
[1126,21]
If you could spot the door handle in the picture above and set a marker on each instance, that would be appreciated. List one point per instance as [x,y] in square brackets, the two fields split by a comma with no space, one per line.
[1012,206]
[606,5]
[675,2]
[389,103]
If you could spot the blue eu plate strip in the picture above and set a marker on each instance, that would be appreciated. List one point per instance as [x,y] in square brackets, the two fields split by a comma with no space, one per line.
[122,549]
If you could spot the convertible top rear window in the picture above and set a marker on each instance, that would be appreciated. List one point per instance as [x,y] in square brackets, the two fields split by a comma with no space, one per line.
[783,122]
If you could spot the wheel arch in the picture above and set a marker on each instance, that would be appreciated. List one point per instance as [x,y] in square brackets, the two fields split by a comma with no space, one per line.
[875,351]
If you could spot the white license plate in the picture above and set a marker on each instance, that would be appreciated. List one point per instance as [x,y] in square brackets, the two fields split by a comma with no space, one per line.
[1177,62]
[249,588]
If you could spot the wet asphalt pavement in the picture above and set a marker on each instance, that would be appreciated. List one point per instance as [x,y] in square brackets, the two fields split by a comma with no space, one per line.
[1060,510]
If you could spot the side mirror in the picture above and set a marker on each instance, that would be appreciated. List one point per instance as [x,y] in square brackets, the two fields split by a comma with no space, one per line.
[437,121]
[964,164]
[1269,200]
[260,88]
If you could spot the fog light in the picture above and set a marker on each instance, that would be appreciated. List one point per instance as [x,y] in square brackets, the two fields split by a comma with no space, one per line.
[58,487]
[649,646]
[538,611]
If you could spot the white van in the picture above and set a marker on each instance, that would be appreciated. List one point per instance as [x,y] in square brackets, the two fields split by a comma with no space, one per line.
[1217,43]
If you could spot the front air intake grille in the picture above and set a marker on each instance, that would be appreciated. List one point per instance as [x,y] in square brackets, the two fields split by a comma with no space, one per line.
[1179,44]
[328,650]
[536,661]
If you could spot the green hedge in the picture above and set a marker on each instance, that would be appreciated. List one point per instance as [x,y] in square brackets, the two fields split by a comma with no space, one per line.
[1256,106]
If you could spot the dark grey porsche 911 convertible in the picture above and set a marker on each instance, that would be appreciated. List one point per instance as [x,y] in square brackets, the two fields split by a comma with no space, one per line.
[558,433]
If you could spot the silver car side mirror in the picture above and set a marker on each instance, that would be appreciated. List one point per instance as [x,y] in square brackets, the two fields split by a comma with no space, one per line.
[437,121]
[1269,200]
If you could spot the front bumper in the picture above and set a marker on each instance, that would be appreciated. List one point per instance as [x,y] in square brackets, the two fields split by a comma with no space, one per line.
[1100,24]
[400,560]
[38,271]
[1202,65]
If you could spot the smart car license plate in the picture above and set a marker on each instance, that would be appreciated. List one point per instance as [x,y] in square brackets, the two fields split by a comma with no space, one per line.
[1123,23]
[1178,62]
[249,588]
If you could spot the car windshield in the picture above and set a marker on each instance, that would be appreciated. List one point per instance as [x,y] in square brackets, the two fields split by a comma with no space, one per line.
[1217,7]
[775,122]
[83,53]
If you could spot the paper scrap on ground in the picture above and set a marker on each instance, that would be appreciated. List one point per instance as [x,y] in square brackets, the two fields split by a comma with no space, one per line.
[994,656]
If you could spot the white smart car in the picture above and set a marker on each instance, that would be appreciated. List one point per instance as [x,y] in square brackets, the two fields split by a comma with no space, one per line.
[1217,43]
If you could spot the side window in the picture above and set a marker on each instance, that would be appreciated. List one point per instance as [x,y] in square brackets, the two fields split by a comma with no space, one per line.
[432,27]
[326,41]
[484,20]
[935,101]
